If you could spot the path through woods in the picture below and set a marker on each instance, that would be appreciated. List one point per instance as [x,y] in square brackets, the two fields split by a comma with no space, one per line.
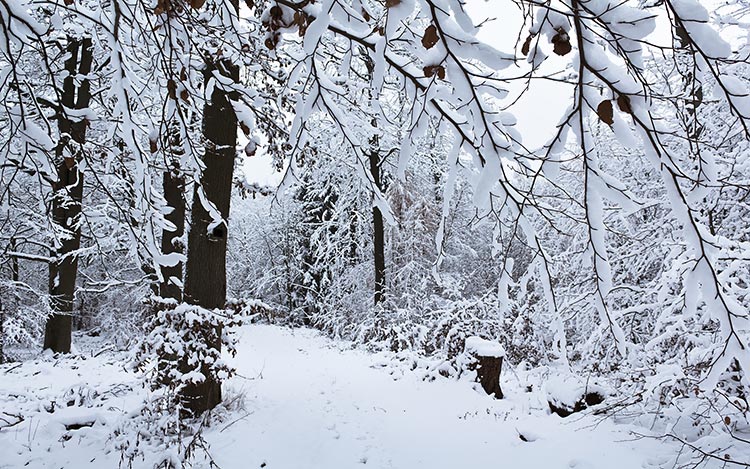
[313,403]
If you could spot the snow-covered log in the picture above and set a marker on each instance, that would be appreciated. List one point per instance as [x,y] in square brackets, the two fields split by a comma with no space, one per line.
[568,395]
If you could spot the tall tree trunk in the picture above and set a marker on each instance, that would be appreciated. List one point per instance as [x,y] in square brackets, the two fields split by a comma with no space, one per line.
[14,276]
[171,241]
[378,232]
[205,270]
[2,332]
[67,197]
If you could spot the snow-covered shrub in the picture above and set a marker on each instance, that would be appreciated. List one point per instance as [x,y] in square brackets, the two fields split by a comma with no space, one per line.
[183,344]
[22,316]
[157,434]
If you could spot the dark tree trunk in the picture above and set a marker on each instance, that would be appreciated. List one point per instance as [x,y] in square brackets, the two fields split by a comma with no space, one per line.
[205,272]
[171,241]
[2,332]
[353,222]
[205,276]
[488,374]
[67,197]
[378,232]
[14,268]
[14,276]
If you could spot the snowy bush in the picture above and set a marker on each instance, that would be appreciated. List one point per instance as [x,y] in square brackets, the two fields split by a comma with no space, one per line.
[182,347]
[183,344]
[22,316]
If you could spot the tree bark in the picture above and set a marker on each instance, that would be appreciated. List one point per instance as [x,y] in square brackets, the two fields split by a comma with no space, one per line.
[171,241]
[2,332]
[14,276]
[488,374]
[205,272]
[378,231]
[67,197]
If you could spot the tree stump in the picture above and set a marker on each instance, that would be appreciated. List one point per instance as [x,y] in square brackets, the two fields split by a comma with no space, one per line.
[567,395]
[586,400]
[487,360]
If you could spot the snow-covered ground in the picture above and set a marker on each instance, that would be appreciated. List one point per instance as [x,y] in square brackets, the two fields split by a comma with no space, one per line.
[310,402]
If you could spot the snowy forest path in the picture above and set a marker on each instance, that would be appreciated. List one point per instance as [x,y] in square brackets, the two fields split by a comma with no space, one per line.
[313,403]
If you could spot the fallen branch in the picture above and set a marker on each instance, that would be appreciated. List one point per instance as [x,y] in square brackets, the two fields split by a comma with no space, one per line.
[247,414]
[12,368]
[11,423]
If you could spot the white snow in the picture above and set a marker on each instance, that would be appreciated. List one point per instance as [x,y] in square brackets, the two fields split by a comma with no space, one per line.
[567,390]
[314,403]
[483,347]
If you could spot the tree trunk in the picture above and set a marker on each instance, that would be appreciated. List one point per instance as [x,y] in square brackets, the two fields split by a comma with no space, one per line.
[67,197]
[2,332]
[205,272]
[488,374]
[378,232]
[14,276]
[171,241]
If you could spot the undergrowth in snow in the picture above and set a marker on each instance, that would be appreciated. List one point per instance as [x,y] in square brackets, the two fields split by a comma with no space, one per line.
[300,400]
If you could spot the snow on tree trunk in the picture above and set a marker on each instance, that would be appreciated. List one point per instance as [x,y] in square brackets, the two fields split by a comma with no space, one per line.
[67,196]
[172,242]
[205,272]
[378,230]
[487,359]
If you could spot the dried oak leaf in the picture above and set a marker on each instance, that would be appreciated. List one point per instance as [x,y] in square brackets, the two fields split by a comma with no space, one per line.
[431,70]
[605,112]
[152,146]
[562,47]
[272,41]
[391,3]
[430,37]
[527,45]
[172,89]
[197,4]
[161,6]
[561,42]
[276,12]
[251,148]
[623,102]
